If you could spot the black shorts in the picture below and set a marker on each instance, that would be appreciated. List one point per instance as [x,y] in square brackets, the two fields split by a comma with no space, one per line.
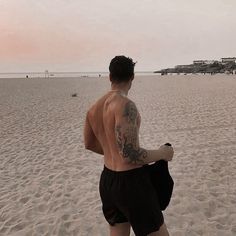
[129,196]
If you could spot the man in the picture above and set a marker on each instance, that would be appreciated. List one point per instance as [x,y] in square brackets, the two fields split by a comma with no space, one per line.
[112,129]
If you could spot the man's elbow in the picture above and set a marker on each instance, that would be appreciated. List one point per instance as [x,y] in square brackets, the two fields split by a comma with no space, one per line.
[90,148]
[87,145]
[93,148]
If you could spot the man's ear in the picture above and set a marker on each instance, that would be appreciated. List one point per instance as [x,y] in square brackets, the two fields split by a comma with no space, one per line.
[110,77]
[132,78]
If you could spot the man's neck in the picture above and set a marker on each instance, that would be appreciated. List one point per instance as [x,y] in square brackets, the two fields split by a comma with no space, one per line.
[123,88]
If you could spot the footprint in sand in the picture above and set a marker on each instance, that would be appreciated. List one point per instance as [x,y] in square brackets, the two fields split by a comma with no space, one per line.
[24,200]
[65,217]
[42,208]
[201,198]
[18,226]
[208,213]
[233,229]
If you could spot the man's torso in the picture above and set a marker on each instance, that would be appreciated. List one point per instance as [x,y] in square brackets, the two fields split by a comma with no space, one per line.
[102,119]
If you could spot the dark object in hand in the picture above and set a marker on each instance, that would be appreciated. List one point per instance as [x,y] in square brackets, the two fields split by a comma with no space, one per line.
[162,182]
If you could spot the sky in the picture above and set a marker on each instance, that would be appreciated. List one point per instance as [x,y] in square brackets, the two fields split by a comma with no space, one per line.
[84,35]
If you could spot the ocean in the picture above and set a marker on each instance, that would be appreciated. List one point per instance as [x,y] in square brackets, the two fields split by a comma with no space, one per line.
[64,74]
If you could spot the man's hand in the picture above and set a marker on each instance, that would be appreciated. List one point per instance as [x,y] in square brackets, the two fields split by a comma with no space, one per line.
[167,152]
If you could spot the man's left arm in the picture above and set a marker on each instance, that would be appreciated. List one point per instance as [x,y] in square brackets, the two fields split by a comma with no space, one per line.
[90,140]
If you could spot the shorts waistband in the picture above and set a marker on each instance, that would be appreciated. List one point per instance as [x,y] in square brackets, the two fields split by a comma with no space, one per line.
[125,172]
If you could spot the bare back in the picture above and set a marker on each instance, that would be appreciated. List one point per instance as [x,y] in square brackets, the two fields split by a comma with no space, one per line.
[102,117]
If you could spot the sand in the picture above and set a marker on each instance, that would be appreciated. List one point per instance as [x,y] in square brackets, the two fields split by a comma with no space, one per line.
[49,183]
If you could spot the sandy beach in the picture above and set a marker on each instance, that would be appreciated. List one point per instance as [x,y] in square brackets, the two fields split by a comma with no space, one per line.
[49,182]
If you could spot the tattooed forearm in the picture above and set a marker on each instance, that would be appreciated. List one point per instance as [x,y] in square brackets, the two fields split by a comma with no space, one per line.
[134,155]
[130,112]
[128,145]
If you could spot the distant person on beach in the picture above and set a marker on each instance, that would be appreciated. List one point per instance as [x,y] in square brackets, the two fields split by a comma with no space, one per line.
[112,129]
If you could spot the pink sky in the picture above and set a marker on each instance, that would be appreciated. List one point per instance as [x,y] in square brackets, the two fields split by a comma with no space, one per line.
[76,35]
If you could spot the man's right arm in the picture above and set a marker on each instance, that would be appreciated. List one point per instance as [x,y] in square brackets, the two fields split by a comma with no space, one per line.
[127,137]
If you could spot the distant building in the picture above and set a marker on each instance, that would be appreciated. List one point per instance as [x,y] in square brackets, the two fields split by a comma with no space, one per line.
[199,62]
[202,62]
[208,62]
[183,66]
[228,59]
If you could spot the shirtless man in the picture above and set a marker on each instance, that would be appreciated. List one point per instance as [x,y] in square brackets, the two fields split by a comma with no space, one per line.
[112,129]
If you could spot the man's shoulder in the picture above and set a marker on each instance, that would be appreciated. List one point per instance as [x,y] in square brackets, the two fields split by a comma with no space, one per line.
[116,105]
[122,99]
[124,106]
[95,105]
[127,102]
[91,109]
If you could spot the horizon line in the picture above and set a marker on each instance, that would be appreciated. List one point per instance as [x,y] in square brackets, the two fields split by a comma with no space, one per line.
[69,72]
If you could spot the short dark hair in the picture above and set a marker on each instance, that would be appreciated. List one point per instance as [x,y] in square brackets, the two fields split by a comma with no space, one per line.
[121,69]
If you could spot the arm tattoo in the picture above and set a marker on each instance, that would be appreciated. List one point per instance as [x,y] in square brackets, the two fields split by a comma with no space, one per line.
[130,112]
[118,137]
[127,144]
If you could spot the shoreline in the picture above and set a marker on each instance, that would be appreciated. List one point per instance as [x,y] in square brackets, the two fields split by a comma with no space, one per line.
[92,76]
